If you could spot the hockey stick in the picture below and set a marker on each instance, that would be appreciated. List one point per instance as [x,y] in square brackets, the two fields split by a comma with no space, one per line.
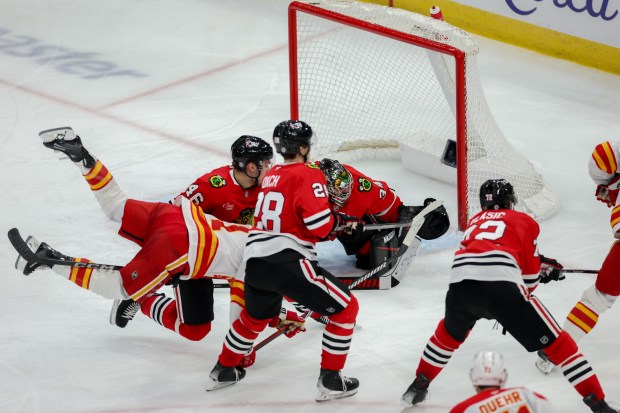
[416,224]
[370,227]
[26,253]
[579,271]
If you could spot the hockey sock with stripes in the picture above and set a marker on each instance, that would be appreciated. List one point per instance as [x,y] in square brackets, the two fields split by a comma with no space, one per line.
[240,339]
[337,336]
[564,352]
[163,310]
[437,352]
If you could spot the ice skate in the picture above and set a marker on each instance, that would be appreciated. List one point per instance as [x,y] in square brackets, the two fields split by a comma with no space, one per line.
[222,376]
[123,311]
[417,391]
[598,406]
[333,385]
[66,141]
[543,363]
[41,250]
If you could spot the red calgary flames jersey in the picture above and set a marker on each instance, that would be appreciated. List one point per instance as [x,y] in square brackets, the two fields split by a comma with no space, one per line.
[218,194]
[370,197]
[294,201]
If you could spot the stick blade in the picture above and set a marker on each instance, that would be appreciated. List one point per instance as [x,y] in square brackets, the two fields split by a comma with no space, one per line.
[21,246]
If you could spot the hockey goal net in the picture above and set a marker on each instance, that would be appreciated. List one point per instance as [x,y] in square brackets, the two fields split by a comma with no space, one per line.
[380,82]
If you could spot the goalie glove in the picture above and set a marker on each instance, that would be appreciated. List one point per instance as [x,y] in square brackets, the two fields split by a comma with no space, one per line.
[608,194]
[436,222]
[550,270]
[289,320]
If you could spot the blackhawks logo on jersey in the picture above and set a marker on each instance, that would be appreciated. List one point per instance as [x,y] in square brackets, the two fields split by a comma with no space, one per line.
[312,165]
[217,181]
[246,217]
[364,184]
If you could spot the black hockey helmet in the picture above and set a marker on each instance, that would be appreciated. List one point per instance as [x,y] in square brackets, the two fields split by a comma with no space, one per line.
[339,181]
[497,194]
[248,149]
[290,135]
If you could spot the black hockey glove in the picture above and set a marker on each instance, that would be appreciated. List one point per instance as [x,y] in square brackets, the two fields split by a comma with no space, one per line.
[436,222]
[550,270]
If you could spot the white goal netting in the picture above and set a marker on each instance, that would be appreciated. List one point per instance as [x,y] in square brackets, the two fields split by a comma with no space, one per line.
[370,79]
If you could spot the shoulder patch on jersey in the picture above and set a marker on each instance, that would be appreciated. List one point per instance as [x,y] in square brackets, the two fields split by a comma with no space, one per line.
[364,184]
[217,181]
[312,165]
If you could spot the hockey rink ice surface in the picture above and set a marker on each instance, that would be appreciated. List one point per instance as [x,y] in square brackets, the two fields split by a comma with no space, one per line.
[158,90]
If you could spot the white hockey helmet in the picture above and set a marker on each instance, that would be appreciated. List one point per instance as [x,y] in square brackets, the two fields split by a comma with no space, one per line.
[488,370]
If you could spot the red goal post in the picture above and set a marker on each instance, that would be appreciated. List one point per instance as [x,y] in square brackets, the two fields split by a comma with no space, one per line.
[379,82]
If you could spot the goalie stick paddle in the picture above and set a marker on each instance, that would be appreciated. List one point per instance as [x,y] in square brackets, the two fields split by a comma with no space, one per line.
[26,253]
[381,270]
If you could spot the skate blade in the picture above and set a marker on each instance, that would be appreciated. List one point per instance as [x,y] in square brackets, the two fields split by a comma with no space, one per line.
[409,398]
[113,311]
[544,366]
[324,396]
[216,385]
[64,133]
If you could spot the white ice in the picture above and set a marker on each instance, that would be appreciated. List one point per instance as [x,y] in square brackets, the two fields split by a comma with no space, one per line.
[217,70]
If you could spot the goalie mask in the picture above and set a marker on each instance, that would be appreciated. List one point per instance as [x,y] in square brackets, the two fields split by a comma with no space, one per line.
[339,181]
[497,194]
[289,136]
[248,149]
[488,370]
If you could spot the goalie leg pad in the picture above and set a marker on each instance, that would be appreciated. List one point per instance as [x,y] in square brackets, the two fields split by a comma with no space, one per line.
[383,245]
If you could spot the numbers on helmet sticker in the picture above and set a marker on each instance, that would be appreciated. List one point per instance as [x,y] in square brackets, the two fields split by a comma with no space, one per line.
[320,190]
[491,230]
[270,208]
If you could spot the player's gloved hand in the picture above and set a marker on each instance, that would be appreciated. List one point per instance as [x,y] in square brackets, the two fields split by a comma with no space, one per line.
[550,270]
[436,222]
[248,359]
[608,194]
[289,320]
[345,224]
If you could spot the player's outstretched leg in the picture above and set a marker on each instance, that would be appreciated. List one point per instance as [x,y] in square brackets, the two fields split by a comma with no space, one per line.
[417,391]
[41,250]
[333,385]
[123,311]
[66,141]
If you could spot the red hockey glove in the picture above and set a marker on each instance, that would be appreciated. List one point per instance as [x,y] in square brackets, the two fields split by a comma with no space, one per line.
[289,320]
[608,194]
[550,270]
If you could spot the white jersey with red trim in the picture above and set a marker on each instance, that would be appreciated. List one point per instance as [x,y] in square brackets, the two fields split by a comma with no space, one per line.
[499,245]
[603,168]
[292,211]
[512,400]
[215,247]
